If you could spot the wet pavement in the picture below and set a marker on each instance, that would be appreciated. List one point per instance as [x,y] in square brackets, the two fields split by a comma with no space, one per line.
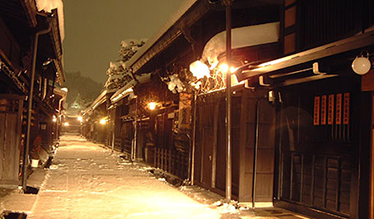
[86,180]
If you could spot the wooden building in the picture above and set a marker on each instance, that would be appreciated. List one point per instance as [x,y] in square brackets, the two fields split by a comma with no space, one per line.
[323,136]
[301,122]
[30,59]
[95,123]
[167,58]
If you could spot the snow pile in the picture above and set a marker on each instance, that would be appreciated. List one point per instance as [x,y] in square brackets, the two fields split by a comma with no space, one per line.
[129,48]
[118,74]
[224,208]
[175,84]
[241,37]
[48,6]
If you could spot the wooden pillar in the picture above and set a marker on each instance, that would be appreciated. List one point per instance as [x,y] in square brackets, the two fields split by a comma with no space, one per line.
[215,142]
[371,210]
[243,186]
[367,84]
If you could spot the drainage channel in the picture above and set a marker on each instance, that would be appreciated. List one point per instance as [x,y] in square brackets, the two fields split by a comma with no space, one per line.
[35,190]
[49,162]
[31,190]
[13,215]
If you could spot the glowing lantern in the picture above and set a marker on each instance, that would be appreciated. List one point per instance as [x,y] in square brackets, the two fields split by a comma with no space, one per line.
[152,105]
[103,121]
[361,65]
[199,69]
[224,68]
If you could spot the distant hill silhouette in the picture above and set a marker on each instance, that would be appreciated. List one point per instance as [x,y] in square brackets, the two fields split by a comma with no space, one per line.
[84,87]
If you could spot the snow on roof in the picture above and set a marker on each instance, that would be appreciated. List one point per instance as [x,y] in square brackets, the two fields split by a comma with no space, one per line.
[169,23]
[99,100]
[241,37]
[124,91]
[48,6]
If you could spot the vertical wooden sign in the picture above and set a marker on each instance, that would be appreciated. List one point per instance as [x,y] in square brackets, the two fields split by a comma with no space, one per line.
[316,110]
[184,117]
[330,116]
[323,109]
[338,119]
[346,109]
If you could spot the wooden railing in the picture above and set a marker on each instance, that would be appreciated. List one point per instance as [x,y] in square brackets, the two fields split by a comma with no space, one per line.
[172,161]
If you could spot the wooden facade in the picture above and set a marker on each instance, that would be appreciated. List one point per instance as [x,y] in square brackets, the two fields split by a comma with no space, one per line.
[322,135]
[11,110]
[252,144]
[301,125]
[96,124]
[19,23]
[319,145]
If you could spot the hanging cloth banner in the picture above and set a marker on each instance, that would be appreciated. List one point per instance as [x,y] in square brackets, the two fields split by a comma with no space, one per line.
[330,119]
[323,109]
[338,119]
[346,109]
[316,110]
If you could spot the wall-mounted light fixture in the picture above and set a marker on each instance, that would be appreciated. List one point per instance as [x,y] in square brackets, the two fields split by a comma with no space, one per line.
[152,105]
[361,64]
[104,120]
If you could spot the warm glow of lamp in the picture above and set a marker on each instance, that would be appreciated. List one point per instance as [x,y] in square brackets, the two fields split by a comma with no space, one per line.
[103,121]
[233,69]
[224,68]
[54,119]
[199,69]
[80,118]
[66,124]
[152,105]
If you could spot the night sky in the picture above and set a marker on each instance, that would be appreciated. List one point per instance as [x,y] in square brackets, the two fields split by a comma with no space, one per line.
[94,30]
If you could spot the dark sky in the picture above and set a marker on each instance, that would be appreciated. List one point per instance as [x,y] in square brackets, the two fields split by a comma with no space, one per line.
[94,30]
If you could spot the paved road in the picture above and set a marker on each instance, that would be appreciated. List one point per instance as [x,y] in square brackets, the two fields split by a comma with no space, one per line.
[88,181]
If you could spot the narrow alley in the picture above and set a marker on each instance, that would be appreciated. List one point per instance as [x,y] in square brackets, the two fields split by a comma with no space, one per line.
[86,180]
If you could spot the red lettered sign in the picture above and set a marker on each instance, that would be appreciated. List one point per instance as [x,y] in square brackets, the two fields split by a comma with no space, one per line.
[338,119]
[316,110]
[323,109]
[330,118]
[346,109]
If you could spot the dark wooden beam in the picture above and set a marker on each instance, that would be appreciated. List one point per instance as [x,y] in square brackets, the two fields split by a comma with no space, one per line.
[345,45]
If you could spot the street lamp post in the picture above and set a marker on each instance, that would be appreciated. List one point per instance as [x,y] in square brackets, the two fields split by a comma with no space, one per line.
[198,70]
[228,4]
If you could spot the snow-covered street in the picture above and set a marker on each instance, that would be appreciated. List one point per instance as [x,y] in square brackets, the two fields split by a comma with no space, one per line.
[88,181]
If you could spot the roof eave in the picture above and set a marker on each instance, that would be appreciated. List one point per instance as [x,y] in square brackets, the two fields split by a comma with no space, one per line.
[341,46]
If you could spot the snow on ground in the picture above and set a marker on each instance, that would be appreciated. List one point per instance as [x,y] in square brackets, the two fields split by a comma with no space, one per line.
[88,181]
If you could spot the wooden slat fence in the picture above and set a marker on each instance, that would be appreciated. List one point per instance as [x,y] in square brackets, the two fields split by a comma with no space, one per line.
[172,161]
